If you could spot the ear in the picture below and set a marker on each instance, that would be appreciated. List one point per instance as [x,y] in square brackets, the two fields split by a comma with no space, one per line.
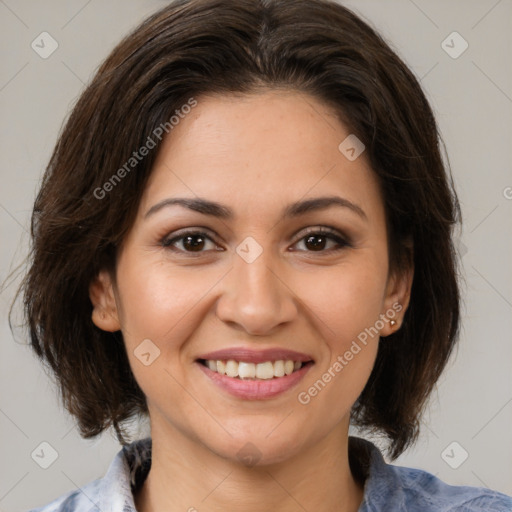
[104,313]
[397,297]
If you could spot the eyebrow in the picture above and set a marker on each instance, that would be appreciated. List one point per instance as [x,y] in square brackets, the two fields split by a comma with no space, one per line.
[224,212]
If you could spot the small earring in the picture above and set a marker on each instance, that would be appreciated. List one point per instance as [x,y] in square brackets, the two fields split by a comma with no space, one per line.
[393,323]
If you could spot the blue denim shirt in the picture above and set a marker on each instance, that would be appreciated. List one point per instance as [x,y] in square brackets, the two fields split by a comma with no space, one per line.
[387,488]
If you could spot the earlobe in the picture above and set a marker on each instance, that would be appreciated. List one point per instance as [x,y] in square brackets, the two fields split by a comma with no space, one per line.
[397,300]
[104,313]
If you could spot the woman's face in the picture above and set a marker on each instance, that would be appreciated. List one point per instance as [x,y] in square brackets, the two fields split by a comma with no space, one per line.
[260,278]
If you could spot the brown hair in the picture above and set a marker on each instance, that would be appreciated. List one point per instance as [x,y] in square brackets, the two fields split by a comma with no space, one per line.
[196,47]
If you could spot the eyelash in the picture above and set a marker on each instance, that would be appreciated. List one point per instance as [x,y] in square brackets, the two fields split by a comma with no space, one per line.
[328,233]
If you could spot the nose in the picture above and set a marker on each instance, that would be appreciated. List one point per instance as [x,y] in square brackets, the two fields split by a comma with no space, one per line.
[256,297]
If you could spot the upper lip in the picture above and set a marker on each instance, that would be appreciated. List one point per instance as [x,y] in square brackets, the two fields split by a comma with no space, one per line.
[256,356]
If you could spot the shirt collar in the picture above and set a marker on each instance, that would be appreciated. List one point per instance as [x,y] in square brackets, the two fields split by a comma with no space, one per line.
[380,478]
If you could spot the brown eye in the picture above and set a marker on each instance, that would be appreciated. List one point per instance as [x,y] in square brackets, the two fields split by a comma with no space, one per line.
[191,241]
[317,240]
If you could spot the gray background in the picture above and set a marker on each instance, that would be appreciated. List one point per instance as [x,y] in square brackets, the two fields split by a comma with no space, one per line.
[472,96]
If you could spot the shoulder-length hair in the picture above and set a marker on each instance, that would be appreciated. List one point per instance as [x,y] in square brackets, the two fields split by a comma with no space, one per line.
[194,47]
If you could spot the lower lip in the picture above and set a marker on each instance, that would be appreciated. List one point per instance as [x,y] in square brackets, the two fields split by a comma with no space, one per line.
[256,389]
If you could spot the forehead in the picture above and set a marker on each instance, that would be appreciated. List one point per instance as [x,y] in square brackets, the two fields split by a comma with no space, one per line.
[259,151]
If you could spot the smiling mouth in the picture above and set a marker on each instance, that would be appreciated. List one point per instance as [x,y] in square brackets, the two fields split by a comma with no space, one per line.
[254,371]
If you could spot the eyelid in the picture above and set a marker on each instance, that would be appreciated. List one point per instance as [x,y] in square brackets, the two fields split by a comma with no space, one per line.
[182,233]
[334,234]
[324,230]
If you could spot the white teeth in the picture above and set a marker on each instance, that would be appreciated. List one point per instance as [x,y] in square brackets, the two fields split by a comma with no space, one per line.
[263,371]
[232,368]
[279,368]
[288,367]
[246,370]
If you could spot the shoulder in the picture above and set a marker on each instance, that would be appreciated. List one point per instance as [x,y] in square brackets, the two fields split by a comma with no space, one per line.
[80,500]
[426,491]
[402,489]
[114,491]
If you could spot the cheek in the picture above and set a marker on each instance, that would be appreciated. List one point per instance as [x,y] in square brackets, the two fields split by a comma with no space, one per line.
[160,301]
[163,304]
[347,299]
[344,314]
[345,304]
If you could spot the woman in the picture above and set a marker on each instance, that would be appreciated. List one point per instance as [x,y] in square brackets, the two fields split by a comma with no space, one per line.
[244,233]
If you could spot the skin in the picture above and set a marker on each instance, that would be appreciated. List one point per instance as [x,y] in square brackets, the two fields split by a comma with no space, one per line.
[255,154]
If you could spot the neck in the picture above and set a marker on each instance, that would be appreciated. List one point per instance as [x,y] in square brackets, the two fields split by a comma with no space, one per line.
[185,475]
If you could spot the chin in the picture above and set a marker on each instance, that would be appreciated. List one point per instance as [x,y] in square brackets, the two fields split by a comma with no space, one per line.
[258,451]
